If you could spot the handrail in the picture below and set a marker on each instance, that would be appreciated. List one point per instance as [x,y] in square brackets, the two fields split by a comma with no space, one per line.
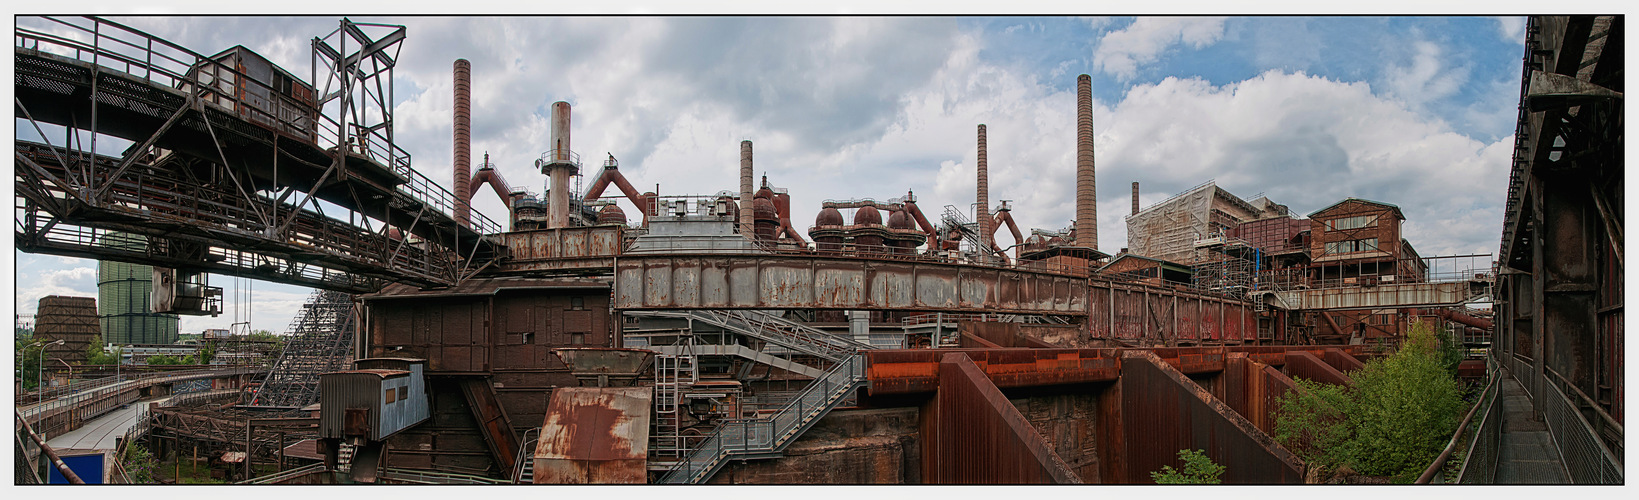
[275,478]
[1439,462]
[1590,402]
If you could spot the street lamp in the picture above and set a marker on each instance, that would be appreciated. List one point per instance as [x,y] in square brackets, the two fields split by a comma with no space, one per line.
[39,388]
[20,354]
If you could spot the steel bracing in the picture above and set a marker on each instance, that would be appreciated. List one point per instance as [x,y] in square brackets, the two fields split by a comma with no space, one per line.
[234,170]
[320,341]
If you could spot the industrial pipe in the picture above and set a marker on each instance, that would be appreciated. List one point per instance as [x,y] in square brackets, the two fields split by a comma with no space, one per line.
[50,453]
[493,178]
[611,175]
[1450,315]
[1006,217]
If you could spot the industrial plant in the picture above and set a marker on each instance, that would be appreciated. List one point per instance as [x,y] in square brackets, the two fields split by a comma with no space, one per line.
[711,338]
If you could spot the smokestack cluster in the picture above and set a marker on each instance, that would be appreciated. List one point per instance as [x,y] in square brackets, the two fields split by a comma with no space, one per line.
[1086,192]
[463,140]
[984,194]
[747,224]
[1135,198]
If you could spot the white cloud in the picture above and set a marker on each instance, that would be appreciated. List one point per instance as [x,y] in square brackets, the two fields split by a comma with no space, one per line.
[1512,29]
[1427,78]
[1121,52]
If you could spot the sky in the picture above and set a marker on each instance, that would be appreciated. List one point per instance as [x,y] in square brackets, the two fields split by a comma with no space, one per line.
[1413,111]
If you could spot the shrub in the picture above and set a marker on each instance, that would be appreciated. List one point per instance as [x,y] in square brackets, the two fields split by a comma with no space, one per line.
[1393,422]
[1198,469]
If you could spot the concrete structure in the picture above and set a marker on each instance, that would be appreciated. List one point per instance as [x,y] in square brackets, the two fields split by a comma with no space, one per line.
[72,320]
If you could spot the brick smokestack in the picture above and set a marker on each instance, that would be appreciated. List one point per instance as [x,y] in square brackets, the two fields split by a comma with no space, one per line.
[747,225]
[984,194]
[1086,188]
[463,141]
[1135,198]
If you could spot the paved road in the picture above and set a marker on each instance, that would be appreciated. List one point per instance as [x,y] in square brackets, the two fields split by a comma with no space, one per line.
[100,433]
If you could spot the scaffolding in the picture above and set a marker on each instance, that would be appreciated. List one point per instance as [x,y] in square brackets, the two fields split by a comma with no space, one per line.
[1168,230]
[320,340]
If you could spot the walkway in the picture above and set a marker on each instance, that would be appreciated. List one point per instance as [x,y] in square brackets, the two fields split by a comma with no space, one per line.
[100,433]
[1527,455]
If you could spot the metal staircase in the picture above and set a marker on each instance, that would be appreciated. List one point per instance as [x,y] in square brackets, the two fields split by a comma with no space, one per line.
[524,472]
[954,218]
[745,353]
[768,437]
[771,328]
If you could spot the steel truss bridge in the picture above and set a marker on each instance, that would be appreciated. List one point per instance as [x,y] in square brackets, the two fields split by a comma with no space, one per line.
[227,174]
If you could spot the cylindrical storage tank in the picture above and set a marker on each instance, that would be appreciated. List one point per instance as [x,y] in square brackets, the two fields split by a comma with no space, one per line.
[123,294]
[611,214]
[766,218]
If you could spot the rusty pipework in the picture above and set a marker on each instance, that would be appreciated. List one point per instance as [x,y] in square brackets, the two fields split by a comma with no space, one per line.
[1450,315]
[487,174]
[463,141]
[921,220]
[611,175]
[1004,216]
[747,227]
[782,207]
[984,192]
[1086,189]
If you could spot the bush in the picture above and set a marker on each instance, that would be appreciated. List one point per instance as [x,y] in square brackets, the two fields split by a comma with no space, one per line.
[1393,422]
[1198,469]
[139,464]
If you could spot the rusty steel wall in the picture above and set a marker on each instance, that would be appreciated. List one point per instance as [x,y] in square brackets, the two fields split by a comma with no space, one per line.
[595,435]
[1144,315]
[791,282]
[906,371]
[1342,361]
[566,248]
[1163,411]
[1253,390]
[1304,364]
[974,435]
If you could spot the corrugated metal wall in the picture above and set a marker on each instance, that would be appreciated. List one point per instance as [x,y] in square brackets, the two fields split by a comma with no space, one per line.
[973,434]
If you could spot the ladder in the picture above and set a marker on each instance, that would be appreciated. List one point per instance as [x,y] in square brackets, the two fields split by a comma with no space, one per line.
[673,370]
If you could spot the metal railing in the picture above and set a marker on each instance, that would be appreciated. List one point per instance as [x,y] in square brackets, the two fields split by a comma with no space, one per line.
[525,461]
[1484,450]
[755,436]
[1456,437]
[772,329]
[115,46]
[286,475]
[1586,458]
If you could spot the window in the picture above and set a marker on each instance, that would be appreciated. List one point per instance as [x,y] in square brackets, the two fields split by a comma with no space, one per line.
[577,338]
[391,396]
[529,337]
[403,393]
[1355,222]
[1351,246]
[577,302]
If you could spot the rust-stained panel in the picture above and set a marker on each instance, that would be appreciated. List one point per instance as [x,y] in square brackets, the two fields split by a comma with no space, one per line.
[1163,411]
[820,282]
[977,436]
[1304,364]
[903,371]
[594,435]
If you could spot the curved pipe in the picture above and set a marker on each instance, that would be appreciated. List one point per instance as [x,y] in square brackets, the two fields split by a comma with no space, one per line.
[1005,217]
[613,175]
[493,178]
[921,221]
[1449,315]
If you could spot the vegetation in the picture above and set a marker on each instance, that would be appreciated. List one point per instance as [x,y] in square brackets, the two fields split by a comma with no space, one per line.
[139,464]
[1394,420]
[1198,469]
[96,354]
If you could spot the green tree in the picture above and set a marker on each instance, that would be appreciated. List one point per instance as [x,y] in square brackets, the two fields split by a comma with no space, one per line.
[204,355]
[1394,420]
[29,365]
[1198,469]
[166,359]
[96,354]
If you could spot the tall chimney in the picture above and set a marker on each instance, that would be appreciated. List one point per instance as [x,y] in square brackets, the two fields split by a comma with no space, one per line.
[1135,198]
[559,167]
[1086,192]
[463,141]
[747,225]
[984,195]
